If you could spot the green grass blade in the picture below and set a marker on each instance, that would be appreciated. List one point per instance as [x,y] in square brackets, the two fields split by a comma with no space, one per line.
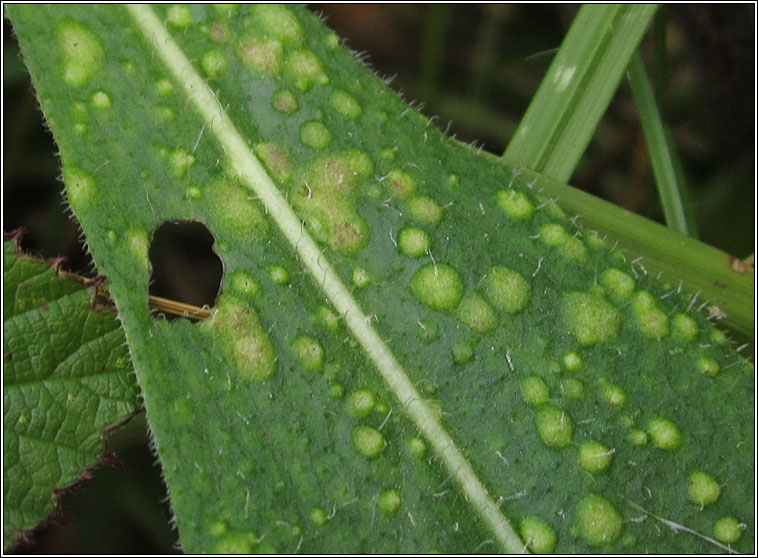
[671,187]
[579,84]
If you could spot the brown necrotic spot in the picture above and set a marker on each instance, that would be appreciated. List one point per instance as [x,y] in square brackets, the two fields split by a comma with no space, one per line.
[186,273]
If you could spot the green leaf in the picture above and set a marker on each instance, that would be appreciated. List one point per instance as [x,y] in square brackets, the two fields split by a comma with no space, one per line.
[411,350]
[67,380]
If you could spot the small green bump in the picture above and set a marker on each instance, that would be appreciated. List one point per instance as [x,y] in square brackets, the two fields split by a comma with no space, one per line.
[684,327]
[276,160]
[417,446]
[277,21]
[179,15]
[82,51]
[80,128]
[337,391]
[572,388]
[515,204]
[728,530]
[236,209]
[462,352]
[506,289]
[595,457]
[388,154]
[181,161]
[101,100]
[327,318]
[360,277]
[425,210]
[218,528]
[381,409]
[305,69]
[284,101]
[719,337]
[414,242]
[534,391]
[81,189]
[214,63]
[315,135]
[619,284]
[572,361]
[589,318]
[369,442]
[361,403]
[664,433]
[165,114]
[702,489]
[310,352]
[555,236]
[389,502]
[345,104]
[400,184]
[245,283]
[537,535]
[708,366]
[474,312]
[594,241]
[226,10]
[613,395]
[318,517]
[438,286]
[236,543]
[651,321]
[428,331]
[332,40]
[194,193]
[164,87]
[263,56]
[138,244]
[598,522]
[279,275]
[555,427]
[638,437]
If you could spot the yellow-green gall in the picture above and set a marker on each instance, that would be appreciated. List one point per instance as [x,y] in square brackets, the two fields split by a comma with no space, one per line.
[101,100]
[276,160]
[706,365]
[82,51]
[702,489]
[462,352]
[179,15]
[310,353]
[345,104]
[569,246]
[598,522]
[318,517]
[327,318]
[664,433]
[619,284]
[388,502]
[572,388]
[400,184]
[728,530]
[555,427]
[425,210]
[279,275]
[304,68]
[613,395]
[506,289]
[428,331]
[315,135]
[638,437]
[572,361]
[589,318]
[474,312]
[534,391]
[651,321]
[684,327]
[538,535]
[360,277]
[417,446]
[284,101]
[515,204]
[369,442]
[595,457]
[414,242]
[361,403]
[262,56]
[438,286]
[214,63]
[181,161]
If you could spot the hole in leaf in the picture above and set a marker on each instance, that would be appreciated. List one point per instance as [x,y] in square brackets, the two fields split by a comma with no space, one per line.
[185,269]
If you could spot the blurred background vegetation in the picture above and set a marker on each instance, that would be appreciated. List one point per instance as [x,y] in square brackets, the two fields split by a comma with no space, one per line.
[476,66]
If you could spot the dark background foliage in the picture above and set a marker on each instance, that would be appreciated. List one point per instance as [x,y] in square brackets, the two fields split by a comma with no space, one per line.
[477,66]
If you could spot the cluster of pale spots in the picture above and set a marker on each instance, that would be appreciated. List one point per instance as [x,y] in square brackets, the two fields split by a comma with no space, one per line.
[337,186]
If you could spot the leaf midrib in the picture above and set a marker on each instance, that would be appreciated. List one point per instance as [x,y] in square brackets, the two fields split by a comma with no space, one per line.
[252,174]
